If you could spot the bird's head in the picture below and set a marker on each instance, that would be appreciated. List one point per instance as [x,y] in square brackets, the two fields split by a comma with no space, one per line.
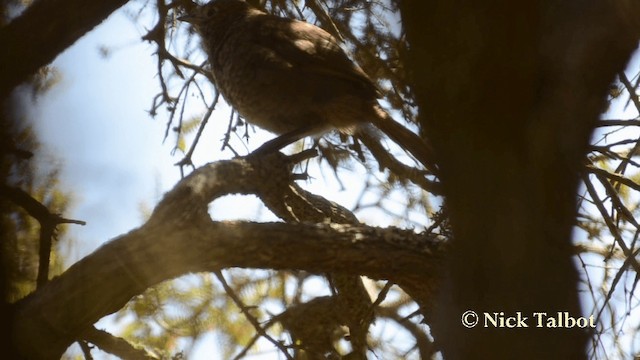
[214,13]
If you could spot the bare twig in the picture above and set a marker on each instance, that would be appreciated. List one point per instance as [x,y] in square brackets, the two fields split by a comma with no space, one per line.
[615,231]
[631,89]
[186,160]
[48,223]
[613,176]
[245,310]
[618,122]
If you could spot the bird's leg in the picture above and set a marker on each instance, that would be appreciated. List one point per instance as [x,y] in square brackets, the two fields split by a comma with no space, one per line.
[284,140]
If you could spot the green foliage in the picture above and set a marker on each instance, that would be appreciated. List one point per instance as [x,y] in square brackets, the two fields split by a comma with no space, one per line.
[183,310]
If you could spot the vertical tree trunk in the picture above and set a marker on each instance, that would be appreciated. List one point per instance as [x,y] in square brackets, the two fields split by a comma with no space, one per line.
[508,95]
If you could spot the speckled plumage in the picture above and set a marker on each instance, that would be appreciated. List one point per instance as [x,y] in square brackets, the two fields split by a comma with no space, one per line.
[286,75]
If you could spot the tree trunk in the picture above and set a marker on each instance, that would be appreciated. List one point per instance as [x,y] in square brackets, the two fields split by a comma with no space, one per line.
[509,93]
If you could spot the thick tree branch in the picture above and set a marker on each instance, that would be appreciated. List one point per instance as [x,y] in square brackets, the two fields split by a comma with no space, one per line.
[50,319]
[43,31]
[180,238]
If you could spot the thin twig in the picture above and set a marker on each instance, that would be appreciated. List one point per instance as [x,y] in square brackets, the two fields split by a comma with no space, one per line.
[617,202]
[382,294]
[618,122]
[86,350]
[631,89]
[48,223]
[613,229]
[615,177]
[186,160]
[245,310]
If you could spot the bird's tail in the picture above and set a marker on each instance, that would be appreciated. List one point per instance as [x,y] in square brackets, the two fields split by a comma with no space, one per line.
[406,139]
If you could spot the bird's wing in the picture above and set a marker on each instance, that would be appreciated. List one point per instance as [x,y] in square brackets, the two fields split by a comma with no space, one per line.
[310,49]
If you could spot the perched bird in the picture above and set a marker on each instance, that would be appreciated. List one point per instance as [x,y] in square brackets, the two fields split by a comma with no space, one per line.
[290,77]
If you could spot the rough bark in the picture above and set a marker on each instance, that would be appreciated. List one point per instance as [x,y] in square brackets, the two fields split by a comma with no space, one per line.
[509,93]
[181,238]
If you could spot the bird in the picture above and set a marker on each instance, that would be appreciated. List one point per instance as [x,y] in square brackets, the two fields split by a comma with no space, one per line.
[292,78]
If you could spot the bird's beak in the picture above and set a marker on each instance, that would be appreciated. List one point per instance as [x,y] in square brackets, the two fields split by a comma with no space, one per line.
[188,18]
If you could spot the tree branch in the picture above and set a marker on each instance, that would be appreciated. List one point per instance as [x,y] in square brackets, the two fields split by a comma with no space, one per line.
[48,223]
[180,238]
[114,345]
[43,31]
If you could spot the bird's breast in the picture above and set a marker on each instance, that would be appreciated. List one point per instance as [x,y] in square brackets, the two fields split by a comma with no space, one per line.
[282,96]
